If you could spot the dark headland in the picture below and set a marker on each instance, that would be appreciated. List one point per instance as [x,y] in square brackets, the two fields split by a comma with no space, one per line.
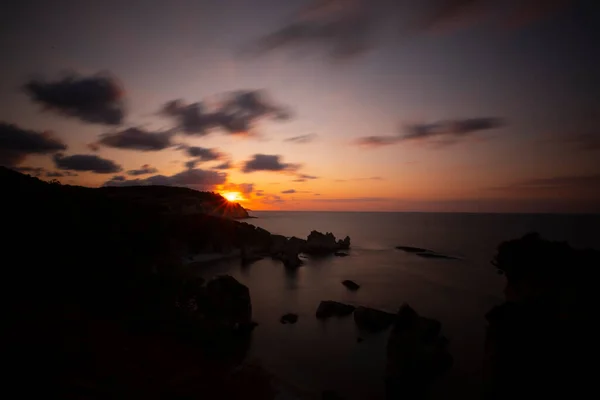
[101,303]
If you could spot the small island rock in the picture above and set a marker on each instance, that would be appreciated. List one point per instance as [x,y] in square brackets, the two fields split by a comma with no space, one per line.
[351,285]
[289,318]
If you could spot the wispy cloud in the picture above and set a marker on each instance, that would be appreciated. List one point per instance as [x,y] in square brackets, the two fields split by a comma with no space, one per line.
[302,139]
[346,29]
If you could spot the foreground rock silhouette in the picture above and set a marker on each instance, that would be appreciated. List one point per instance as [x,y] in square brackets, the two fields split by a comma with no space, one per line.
[102,304]
[538,341]
[372,320]
[416,355]
[329,308]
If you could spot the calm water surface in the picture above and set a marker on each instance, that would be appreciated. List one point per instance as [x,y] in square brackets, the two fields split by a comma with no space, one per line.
[315,355]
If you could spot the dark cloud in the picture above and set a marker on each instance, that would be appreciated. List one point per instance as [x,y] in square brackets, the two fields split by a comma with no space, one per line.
[137,139]
[34,171]
[17,143]
[223,166]
[85,162]
[290,191]
[54,175]
[97,99]
[265,162]
[302,139]
[442,132]
[193,178]
[119,178]
[143,170]
[204,154]
[259,193]
[237,113]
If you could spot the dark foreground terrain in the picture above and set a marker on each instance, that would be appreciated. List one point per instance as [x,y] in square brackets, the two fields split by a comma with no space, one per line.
[100,305]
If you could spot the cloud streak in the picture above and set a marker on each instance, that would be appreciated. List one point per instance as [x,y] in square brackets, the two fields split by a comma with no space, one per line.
[97,99]
[442,133]
[17,143]
[302,139]
[143,170]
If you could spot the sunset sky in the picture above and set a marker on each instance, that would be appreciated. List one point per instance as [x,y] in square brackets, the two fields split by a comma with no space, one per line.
[379,105]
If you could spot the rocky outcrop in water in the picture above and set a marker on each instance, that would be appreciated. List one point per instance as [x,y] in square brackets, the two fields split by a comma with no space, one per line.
[289,318]
[538,340]
[289,250]
[329,308]
[319,243]
[416,355]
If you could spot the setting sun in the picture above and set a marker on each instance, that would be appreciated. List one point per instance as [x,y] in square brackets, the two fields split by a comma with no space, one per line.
[232,196]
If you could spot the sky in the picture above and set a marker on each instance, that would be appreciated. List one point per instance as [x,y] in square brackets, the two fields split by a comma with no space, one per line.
[349,105]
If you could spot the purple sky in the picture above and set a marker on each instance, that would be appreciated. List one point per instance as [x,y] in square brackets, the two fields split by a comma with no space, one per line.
[451,105]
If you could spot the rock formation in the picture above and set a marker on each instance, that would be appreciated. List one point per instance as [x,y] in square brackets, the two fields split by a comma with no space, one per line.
[538,340]
[416,355]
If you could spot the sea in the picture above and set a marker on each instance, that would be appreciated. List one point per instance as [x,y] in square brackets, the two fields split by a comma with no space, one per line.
[312,356]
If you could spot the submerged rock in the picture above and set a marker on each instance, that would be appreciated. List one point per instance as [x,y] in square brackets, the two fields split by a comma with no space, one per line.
[436,255]
[372,320]
[340,254]
[289,318]
[351,285]
[410,249]
[329,308]
[425,253]
[416,355]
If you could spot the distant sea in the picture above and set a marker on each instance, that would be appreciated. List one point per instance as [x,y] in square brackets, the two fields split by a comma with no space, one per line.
[316,356]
